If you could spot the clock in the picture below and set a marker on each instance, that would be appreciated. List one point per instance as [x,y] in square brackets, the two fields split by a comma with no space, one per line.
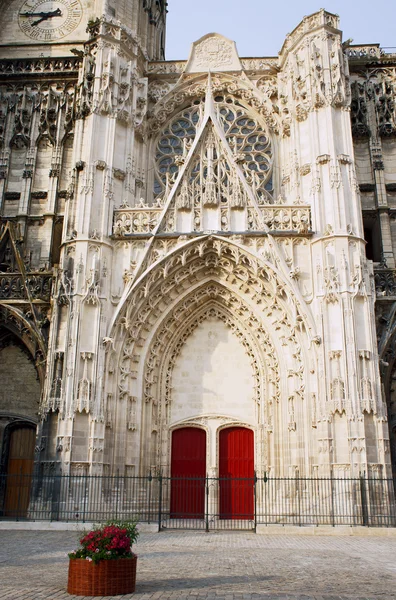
[49,20]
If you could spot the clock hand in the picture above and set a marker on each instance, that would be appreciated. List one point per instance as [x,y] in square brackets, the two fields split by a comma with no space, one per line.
[33,14]
[54,13]
[45,15]
[39,21]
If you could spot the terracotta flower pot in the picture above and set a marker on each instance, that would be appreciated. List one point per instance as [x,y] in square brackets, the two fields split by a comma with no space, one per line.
[107,578]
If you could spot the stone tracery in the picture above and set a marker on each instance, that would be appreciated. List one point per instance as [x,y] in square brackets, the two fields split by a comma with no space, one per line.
[249,142]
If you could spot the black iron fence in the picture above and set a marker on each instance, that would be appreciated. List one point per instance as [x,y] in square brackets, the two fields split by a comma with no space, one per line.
[205,503]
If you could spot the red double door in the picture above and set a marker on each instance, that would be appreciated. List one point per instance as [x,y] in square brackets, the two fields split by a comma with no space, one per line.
[188,472]
[236,473]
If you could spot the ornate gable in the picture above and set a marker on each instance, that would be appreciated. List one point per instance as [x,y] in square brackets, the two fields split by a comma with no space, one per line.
[213,52]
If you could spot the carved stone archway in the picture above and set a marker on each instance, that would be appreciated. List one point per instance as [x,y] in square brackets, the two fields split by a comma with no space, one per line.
[200,276]
[167,345]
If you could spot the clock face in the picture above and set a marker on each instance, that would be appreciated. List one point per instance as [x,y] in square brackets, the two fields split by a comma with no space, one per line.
[49,20]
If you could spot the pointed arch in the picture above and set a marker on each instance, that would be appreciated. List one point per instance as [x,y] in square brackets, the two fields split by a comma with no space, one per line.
[154,361]
[194,86]
[245,291]
[16,322]
[263,271]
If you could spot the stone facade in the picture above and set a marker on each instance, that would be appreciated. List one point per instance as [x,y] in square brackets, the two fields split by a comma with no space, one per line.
[183,242]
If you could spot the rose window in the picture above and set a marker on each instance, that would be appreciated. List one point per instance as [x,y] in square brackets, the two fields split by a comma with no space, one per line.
[246,138]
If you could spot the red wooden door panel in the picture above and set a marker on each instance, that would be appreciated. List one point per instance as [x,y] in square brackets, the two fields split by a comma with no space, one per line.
[188,472]
[236,472]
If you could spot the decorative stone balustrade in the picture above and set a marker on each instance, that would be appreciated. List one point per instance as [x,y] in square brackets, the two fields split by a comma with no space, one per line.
[40,66]
[135,221]
[287,218]
[366,51]
[278,218]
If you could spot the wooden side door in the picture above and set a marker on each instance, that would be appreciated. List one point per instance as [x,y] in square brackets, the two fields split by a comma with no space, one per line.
[188,472]
[236,472]
[19,471]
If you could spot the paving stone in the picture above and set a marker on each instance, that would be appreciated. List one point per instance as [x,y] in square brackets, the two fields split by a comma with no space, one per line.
[220,566]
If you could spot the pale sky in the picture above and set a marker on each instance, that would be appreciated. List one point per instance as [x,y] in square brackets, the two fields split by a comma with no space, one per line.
[259,27]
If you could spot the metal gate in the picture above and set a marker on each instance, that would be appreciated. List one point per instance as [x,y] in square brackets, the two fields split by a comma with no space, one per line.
[225,506]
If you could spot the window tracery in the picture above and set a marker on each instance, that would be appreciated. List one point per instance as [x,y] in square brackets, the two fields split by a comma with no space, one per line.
[246,138]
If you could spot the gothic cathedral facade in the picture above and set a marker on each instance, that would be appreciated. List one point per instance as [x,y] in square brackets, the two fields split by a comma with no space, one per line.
[204,245]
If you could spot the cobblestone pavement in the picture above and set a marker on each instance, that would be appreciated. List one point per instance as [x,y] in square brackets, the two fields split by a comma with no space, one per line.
[214,566]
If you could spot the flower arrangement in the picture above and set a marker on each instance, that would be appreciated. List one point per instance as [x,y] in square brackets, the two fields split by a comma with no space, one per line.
[109,541]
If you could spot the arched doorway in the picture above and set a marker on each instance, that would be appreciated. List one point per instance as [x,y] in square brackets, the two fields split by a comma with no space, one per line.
[188,471]
[19,469]
[236,473]
[19,403]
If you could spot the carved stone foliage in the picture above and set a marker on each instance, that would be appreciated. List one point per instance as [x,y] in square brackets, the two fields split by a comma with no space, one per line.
[157,89]
[138,220]
[260,64]
[385,282]
[223,253]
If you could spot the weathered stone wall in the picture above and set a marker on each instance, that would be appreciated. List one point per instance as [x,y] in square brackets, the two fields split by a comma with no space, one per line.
[19,385]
